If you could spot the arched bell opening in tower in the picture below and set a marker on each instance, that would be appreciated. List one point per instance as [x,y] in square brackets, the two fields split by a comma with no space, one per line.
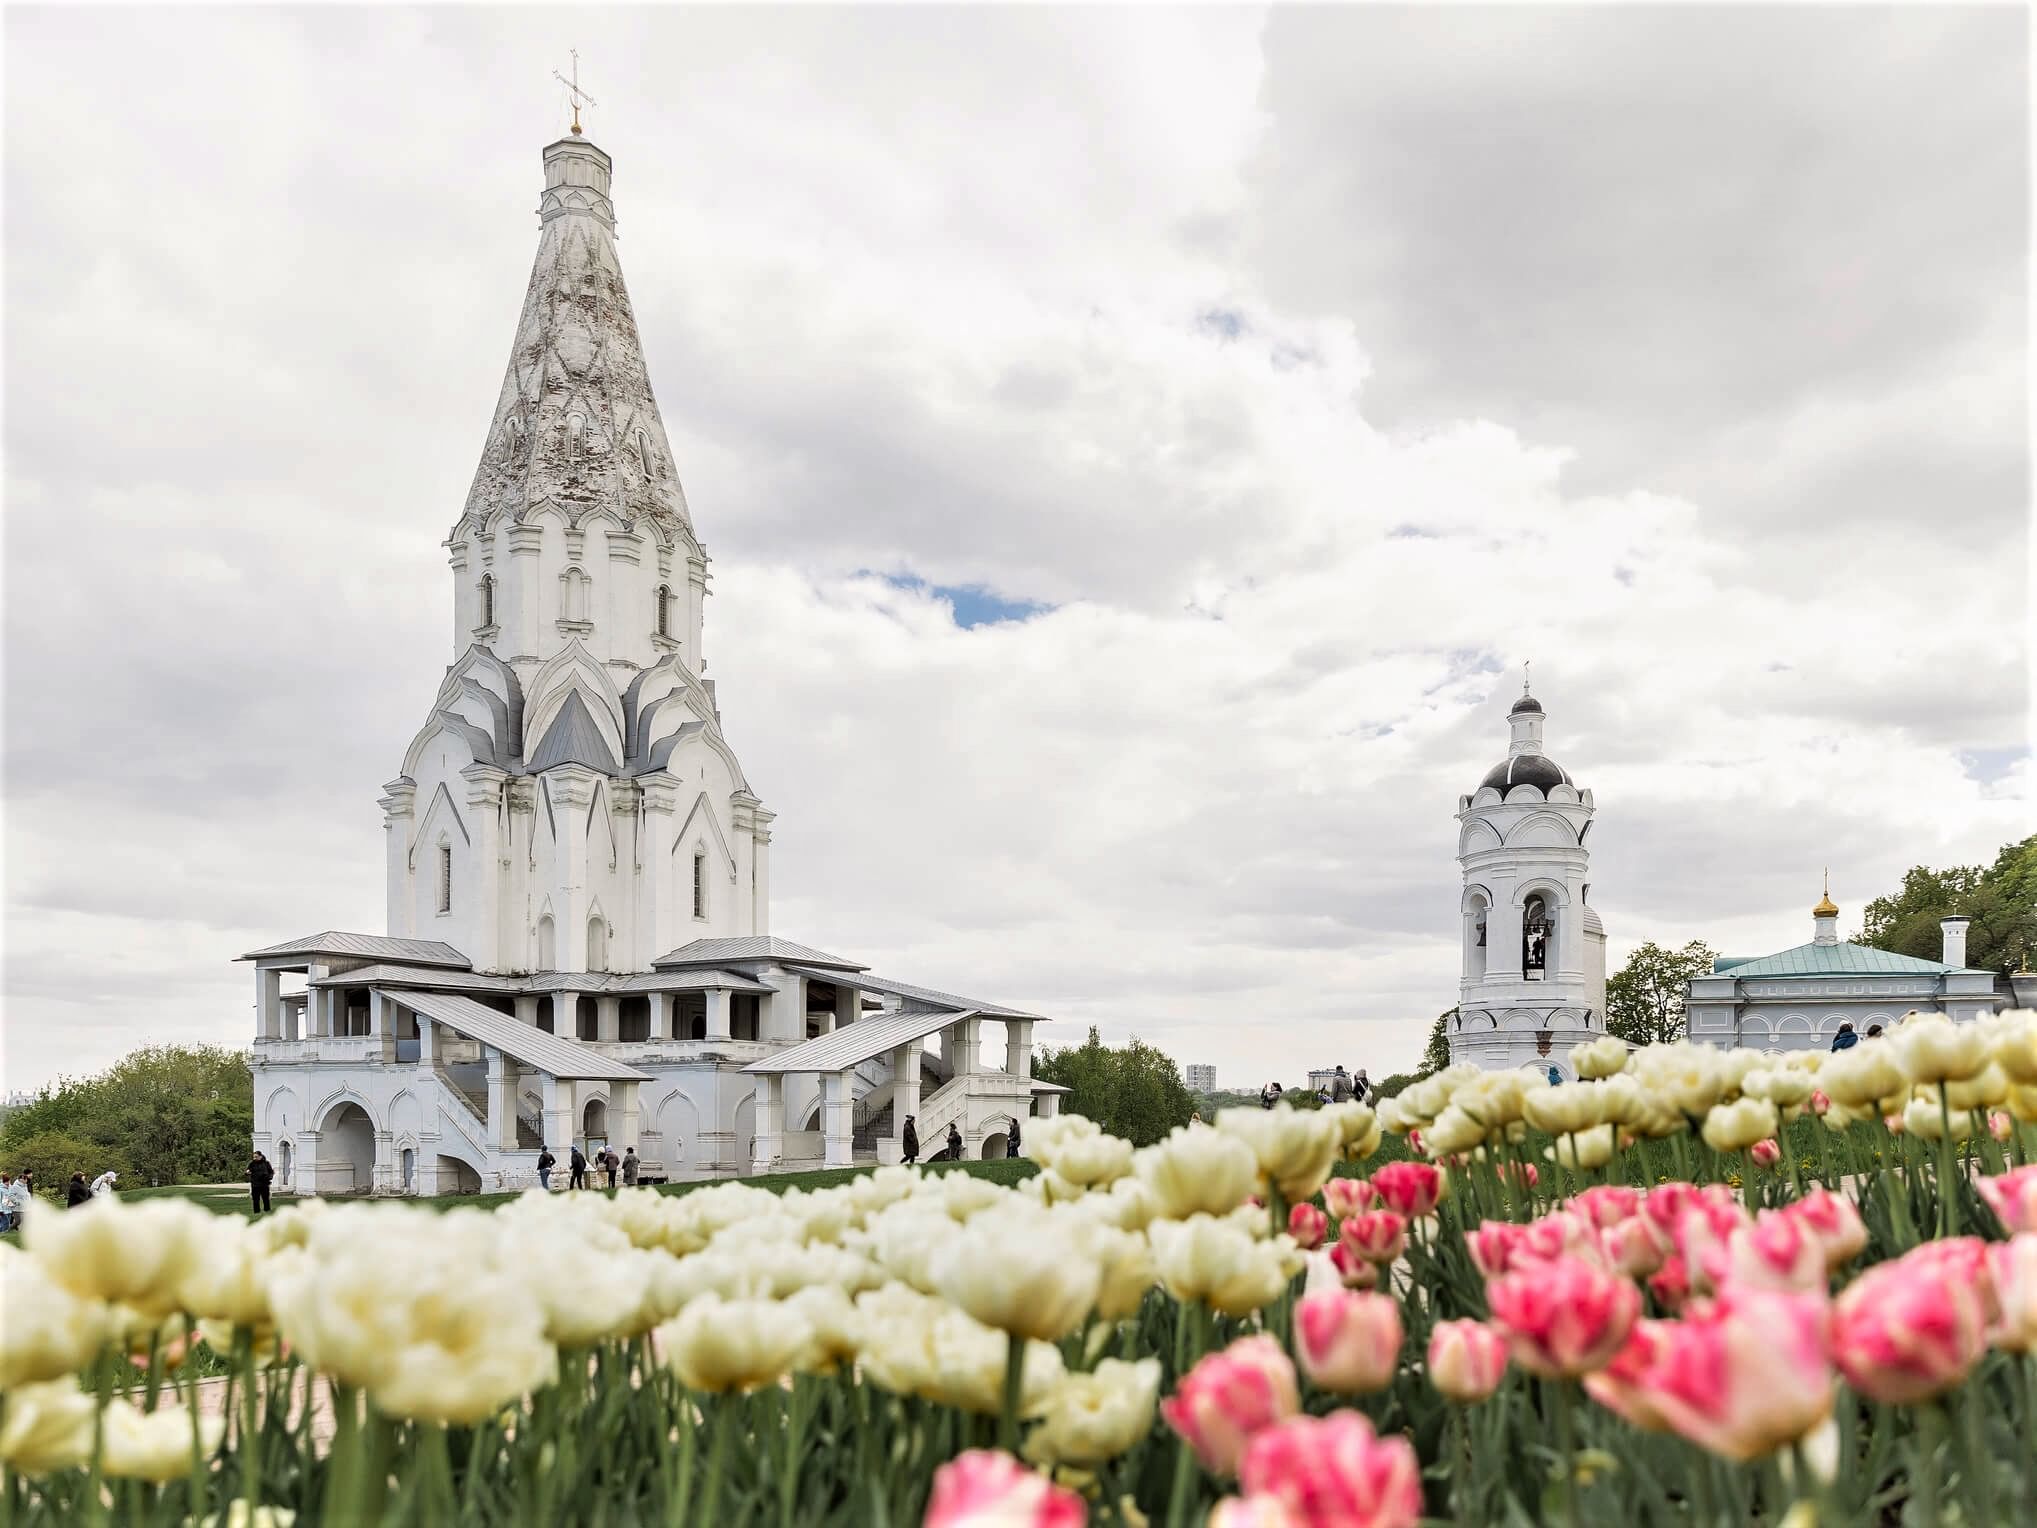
[1537,928]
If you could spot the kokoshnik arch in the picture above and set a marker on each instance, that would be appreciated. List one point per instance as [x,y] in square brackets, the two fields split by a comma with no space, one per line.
[579,943]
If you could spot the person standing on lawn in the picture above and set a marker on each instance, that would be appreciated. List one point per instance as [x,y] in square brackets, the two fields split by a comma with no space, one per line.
[546,1162]
[911,1143]
[609,1163]
[630,1164]
[77,1194]
[1011,1140]
[577,1175]
[954,1143]
[102,1186]
[260,1175]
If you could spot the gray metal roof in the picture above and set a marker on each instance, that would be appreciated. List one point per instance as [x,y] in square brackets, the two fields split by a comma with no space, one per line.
[552,1054]
[1837,960]
[753,947]
[852,1044]
[386,973]
[573,738]
[864,981]
[420,952]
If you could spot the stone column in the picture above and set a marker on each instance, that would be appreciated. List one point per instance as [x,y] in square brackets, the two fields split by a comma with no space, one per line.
[661,1015]
[1018,1047]
[770,1141]
[785,1016]
[527,1009]
[398,803]
[623,1098]
[559,1121]
[483,891]
[905,1087]
[381,1013]
[1050,1105]
[848,1005]
[269,1004]
[838,1118]
[315,1009]
[608,1017]
[718,1013]
[427,1042]
[388,1176]
[501,1101]
[566,1014]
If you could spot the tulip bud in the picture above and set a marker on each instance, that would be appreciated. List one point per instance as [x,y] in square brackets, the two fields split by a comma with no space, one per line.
[1308,1226]
[1467,1359]
[1349,1343]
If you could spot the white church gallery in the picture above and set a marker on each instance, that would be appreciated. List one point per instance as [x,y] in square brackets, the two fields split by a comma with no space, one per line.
[579,948]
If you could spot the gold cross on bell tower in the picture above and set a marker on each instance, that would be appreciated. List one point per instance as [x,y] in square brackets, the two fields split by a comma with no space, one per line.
[573,89]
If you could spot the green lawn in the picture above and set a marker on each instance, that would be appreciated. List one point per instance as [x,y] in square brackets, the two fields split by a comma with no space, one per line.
[232,1198]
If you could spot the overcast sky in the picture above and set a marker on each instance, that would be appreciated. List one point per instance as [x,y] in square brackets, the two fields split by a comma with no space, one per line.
[1285,379]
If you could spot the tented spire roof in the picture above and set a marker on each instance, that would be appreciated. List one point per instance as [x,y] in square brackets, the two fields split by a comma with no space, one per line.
[575,423]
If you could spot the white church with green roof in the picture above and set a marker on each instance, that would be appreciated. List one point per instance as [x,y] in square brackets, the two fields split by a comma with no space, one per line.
[1798,998]
[578,947]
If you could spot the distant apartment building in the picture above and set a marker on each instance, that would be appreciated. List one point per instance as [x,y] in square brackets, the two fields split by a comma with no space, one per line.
[1200,1078]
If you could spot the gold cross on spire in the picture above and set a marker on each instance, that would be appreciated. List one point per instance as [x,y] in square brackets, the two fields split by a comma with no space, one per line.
[1525,668]
[573,89]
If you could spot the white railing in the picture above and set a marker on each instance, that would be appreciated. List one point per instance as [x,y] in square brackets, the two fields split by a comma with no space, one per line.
[458,1108]
[315,1048]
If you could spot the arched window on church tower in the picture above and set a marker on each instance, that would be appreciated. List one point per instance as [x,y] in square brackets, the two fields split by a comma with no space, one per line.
[664,610]
[1474,938]
[487,599]
[573,594]
[548,944]
[576,432]
[700,883]
[597,944]
[445,876]
[1538,930]
[644,453]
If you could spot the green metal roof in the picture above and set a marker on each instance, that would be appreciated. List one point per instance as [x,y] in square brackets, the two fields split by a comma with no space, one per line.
[1833,960]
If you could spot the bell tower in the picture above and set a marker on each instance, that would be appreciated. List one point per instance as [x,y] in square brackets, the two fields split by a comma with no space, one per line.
[1532,979]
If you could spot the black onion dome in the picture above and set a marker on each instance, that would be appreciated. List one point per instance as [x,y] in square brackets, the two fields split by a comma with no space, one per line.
[1526,703]
[1526,769]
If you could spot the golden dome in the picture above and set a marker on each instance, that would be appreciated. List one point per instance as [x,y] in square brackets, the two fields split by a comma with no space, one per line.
[1826,907]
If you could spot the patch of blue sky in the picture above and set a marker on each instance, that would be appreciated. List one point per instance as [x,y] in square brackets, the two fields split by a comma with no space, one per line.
[973,604]
[1988,765]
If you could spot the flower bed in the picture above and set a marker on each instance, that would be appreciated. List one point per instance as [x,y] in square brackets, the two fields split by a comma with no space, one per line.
[1639,1298]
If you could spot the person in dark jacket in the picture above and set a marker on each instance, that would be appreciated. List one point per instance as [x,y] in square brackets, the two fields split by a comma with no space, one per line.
[78,1193]
[630,1164]
[911,1143]
[260,1175]
[1846,1039]
[1011,1139]
[578,1176]
[1555,1078]
[609,1163]
[954,1143]
[546,1162]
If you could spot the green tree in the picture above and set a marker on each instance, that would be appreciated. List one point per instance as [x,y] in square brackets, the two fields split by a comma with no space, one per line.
[1437,1056]
[1133,1090]
[164,1114]
[1999,899]
[53,1155]
[1644,999]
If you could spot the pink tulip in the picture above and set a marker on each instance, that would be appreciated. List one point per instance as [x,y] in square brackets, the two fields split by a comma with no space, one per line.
[1523,1172]
[1707,1227]
[986,1489]
[2000,1126]
[1349,1343]
[1491,1244]
[1606,1205]
[2013,1198]
[1835,1223]
[1821,1102]
[1749,1373]
[1308,1226]
[1467,1359]
[1229,1396]
[1346,1197]
[1378,1236]
[1670,1284]
[1335,1470]
[1253,1512]
[1415,1142]
[1557,1234]
[2013,1266]
[1354,1269]
[1908,1330]
[1409,1189]
[1630,1248]
[1565,1318]
[1765,1153]
[1776,1252]
[1667,1206]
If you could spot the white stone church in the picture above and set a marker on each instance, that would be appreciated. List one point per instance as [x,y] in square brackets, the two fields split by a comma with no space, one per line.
[1533,980]
[579,944]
